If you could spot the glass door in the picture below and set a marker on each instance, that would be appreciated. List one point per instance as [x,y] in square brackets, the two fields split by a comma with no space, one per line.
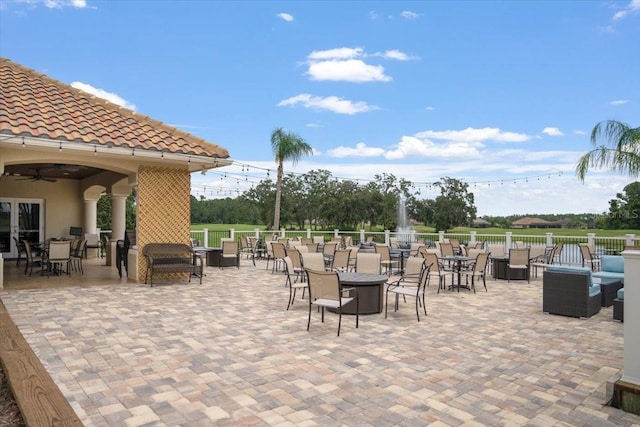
[22,219]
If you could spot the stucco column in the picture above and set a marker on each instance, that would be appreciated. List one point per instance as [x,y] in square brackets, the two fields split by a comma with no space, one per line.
[631,371]
[118,216]
[90,215]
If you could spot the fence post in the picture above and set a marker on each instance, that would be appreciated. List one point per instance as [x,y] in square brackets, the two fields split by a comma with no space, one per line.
[413,236]
[308,233]
[472,239]
[630,239]
[387,240]
[283,232]
[257,231]
[205,237]
[508,241]
[362,240]
[549,239]
[336,232]
[440,236]
[232,233]
[591,240]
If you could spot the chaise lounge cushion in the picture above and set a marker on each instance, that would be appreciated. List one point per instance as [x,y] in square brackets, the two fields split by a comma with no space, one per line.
[620,293]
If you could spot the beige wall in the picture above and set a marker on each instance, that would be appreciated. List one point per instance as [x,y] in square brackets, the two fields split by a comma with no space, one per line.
[63,203]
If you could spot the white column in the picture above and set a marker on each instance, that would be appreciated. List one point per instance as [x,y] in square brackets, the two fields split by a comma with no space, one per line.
[630,239]
[118,216]
[508,241]
[472,238]
[549,239]
[90,215]
[631,371]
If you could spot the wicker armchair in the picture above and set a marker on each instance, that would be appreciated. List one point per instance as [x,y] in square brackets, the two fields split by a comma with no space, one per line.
[569,291]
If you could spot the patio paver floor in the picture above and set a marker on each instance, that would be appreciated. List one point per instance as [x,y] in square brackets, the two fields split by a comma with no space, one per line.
[228,353]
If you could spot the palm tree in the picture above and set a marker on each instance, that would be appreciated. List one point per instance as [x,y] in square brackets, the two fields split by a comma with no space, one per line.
[286,146]
[623,157]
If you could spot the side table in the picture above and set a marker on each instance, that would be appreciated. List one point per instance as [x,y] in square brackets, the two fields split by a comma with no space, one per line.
[608,289]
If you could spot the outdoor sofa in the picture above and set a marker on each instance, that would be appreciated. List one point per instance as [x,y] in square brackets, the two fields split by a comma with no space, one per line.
[611,267]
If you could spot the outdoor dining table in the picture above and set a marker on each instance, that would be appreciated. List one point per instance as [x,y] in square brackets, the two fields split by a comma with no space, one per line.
[402,254]
[370,289]
[457,260]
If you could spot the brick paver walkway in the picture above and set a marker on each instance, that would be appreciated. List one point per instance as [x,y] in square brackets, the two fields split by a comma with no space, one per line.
[228,353]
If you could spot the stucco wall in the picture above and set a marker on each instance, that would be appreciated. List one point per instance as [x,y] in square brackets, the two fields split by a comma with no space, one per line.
[164,208]
[63,205]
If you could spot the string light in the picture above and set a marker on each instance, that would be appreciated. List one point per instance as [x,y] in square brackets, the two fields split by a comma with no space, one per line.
[60,147]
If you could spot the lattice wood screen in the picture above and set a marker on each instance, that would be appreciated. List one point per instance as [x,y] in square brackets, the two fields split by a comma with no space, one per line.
[164,209]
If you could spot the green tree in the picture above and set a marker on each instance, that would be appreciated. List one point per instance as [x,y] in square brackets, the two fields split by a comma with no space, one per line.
[454,206]
[622,156]
[624,211]
[285,146]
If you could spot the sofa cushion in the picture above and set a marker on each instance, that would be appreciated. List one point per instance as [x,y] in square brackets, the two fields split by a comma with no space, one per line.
[612,263]
[620,293]
[608,275]
[594,288]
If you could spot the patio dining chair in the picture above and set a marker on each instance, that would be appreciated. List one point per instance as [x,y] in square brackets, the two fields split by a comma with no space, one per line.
[519,260]
[20,248]
[78,249]
[325,292]
[589,257]
[436,269]
[385,258]
[293,285]
[410,284]
[477,270]
[295,270]
[368,263]
[340,260]
[33,259]
[59,256]
[278,253]
[313,261]
[230,252]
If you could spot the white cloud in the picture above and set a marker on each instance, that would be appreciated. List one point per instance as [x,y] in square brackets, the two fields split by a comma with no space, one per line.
[475,135]
[430,108]
[101,93]
[394,54]
[551,131]
[619,102]
[360,150]
[330,103]
[337,53]
[407,14]
[411,147]
[632,8]
[285,16]
[56,4]
[352,70]
[579,132]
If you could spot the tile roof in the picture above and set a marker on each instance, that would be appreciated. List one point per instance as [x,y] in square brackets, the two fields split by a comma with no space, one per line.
[34,105]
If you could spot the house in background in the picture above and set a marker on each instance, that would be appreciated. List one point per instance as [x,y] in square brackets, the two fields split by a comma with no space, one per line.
[528,222]
[62,148]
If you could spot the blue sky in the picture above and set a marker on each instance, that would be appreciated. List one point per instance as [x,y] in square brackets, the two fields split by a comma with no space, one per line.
[502,95]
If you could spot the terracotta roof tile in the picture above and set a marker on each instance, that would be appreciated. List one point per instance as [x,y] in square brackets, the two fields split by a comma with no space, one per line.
[34,105]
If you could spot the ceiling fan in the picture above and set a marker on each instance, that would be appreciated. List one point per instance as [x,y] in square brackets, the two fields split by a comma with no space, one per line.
[38,177]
